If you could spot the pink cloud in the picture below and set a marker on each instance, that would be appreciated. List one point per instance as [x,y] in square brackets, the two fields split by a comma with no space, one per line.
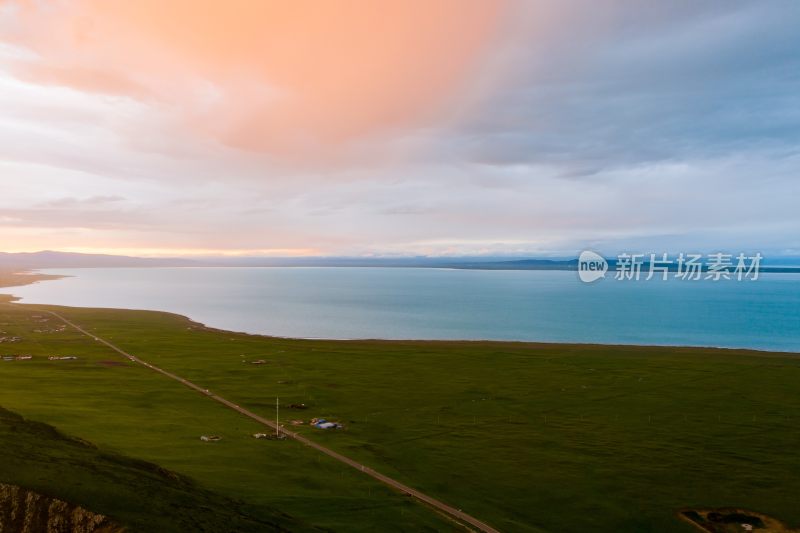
[297,80]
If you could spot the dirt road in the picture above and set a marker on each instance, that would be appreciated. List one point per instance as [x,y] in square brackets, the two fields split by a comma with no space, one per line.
[451,512]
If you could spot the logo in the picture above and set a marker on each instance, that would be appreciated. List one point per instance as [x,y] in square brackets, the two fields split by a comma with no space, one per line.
[685,266]
[591,266]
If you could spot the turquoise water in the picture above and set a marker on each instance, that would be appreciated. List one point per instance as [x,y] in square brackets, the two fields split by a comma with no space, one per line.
[411,303]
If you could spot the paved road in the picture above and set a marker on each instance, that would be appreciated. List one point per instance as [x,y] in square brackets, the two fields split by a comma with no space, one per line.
[436,504]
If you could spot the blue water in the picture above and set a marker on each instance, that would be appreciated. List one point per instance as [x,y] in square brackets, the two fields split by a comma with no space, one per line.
[411,303]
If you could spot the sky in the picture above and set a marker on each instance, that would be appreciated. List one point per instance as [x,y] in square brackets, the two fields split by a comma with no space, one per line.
[399,127]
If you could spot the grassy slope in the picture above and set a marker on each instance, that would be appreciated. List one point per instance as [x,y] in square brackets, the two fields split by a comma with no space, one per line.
[138,495]
[527,437]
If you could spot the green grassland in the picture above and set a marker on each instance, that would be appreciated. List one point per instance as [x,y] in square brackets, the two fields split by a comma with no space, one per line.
[133,411]
[526,437]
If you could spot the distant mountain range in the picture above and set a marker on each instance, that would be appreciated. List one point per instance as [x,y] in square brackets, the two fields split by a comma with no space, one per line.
[54,259]
[51,259]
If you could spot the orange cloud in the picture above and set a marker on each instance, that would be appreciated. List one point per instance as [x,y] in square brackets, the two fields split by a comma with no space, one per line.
[293,79]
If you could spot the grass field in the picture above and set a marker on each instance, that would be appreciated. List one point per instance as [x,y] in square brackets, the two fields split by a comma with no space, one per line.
[132,411]
[525,437]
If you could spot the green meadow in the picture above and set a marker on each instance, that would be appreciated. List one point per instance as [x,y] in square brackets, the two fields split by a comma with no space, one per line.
[527,437]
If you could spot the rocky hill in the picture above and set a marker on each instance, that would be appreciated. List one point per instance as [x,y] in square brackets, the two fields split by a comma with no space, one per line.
[24,511]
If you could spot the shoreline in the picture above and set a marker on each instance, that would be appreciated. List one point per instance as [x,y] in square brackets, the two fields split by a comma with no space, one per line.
[18,278]
[718,350]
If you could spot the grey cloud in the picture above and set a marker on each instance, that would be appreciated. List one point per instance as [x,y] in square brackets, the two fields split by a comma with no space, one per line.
[406,209]
[707,81]
[92,201]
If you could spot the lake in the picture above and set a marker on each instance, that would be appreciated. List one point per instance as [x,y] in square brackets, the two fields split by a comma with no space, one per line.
[427,303]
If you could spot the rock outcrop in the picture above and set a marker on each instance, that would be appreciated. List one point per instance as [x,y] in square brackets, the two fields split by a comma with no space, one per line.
[24,511]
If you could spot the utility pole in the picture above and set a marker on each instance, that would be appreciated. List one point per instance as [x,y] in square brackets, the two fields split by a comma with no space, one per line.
[277,419]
